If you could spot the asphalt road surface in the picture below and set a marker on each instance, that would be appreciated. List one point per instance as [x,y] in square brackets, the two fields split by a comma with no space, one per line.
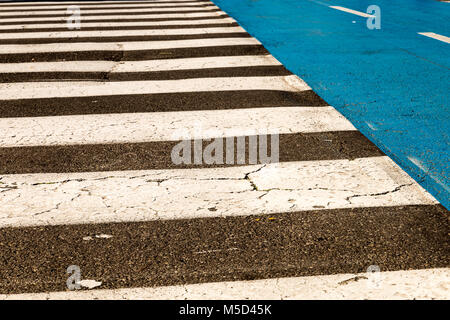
[90,119]
[391,82]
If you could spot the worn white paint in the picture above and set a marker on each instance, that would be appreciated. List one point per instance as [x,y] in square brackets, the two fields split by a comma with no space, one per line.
[118,33]
[98,236]
[102,11]
[144,195]
[426,171]
[140,66]
[99,5]
[119,17]
[63,24]
[90,284]
[89,2]
[411,284]
[34,90]
[125,46]
[162,126]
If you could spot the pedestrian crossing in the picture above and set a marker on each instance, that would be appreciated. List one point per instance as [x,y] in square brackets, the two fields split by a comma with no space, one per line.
[143,66]
[135,25]
[336,287]
[152,17]
[90,119]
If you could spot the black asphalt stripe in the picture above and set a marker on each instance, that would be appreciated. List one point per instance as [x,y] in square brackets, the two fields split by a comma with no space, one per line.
[134,55]
[117,13]
[254,71]
[117,20]
[174,252]
[98,2]
[127,38]
[63,10]
[182,26]
[188,101]
[157,155]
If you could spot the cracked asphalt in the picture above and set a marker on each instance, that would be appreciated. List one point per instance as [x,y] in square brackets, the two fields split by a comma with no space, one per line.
[270,190]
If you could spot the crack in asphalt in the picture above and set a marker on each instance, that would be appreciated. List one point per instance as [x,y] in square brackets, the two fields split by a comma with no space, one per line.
[253,186]
[398,188]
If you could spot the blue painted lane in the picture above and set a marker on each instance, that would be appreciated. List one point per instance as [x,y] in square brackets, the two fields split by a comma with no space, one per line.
[393,84]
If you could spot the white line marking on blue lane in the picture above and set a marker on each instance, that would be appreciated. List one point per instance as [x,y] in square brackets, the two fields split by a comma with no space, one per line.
[435,36]
[362,14]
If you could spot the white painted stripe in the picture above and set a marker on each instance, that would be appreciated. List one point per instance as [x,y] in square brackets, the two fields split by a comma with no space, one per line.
[35,90]
[28,3]
[428,172]
[145,195]
[362,14]
[91,2]
[101,11]
[435,36]
[117,24]
[389,285]
[120,17]
[161,126]
[117,33]
[140,66]
[99,5]
[125,46]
